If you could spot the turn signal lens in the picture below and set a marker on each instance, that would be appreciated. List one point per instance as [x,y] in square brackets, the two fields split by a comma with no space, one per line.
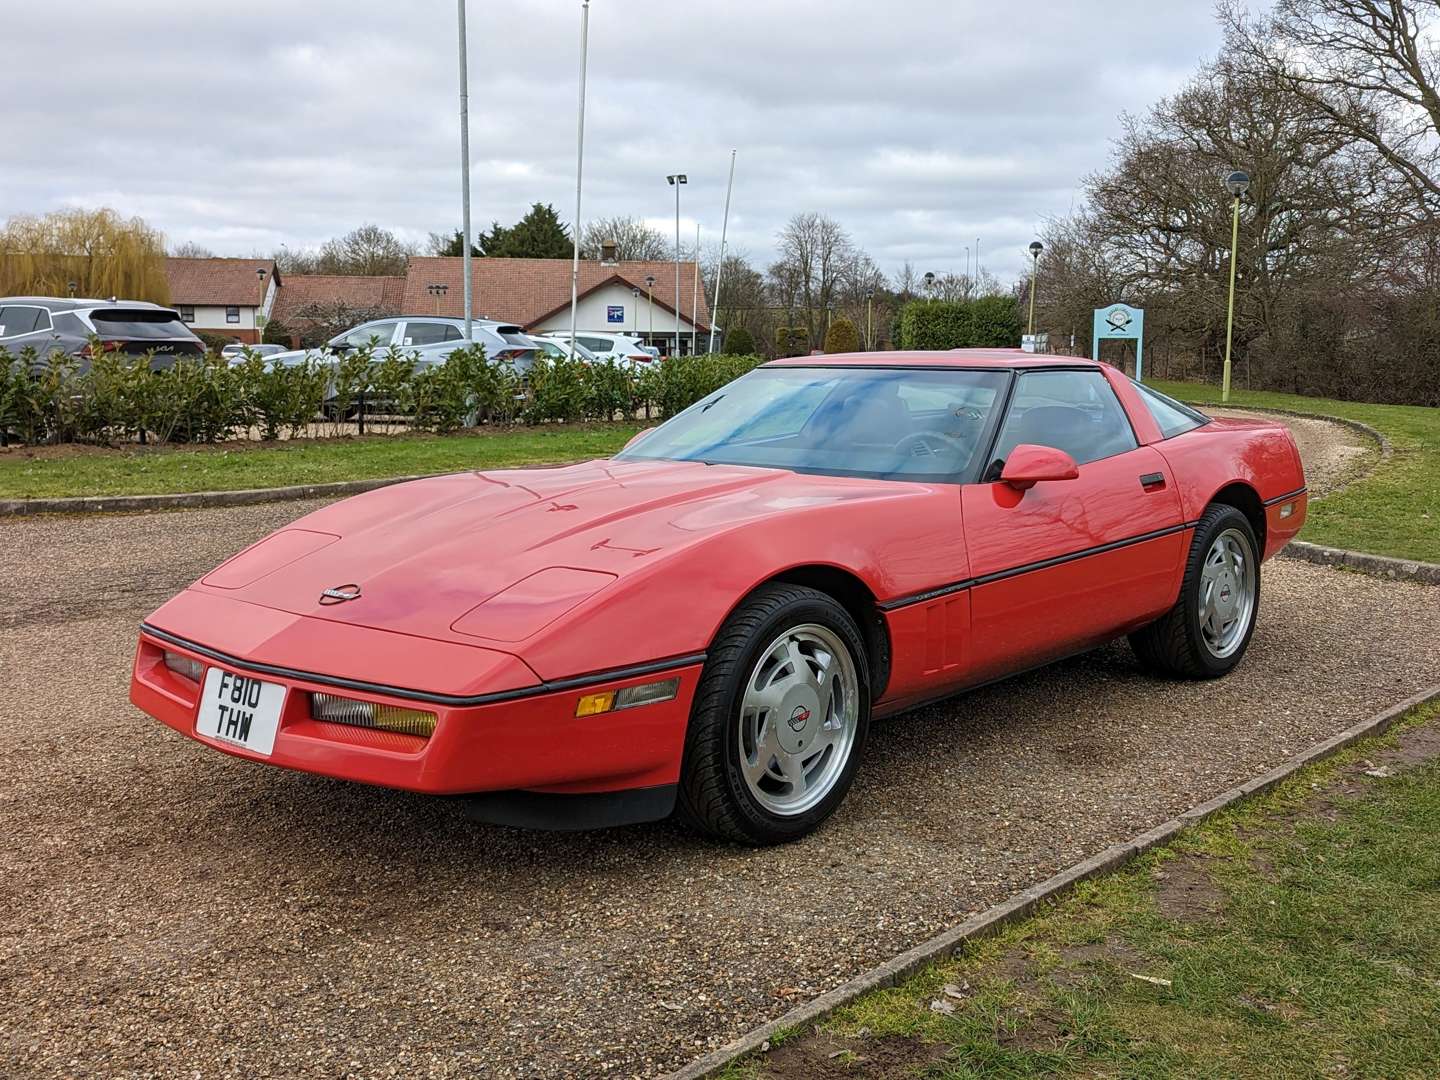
[629,698]
[184,666]
[342,710]
[1287,510]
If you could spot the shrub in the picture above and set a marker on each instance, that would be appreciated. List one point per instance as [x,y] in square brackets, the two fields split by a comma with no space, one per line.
[989,322]
[739,342]
[842,337]
[212,341]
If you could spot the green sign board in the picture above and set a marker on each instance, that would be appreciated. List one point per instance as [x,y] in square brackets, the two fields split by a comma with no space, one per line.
[1120,322]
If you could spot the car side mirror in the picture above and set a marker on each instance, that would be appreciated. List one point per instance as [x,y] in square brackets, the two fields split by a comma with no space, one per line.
[637,437]
[1029,464]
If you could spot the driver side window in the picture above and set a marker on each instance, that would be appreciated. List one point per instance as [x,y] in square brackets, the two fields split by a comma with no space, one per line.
[1074,411]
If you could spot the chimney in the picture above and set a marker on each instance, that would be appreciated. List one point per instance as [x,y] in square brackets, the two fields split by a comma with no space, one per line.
[607,253]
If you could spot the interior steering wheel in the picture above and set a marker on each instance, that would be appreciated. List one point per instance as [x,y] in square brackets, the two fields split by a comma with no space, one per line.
[928,444]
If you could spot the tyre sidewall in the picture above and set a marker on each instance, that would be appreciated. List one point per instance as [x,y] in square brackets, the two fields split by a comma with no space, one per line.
[763,825]
[1216,521]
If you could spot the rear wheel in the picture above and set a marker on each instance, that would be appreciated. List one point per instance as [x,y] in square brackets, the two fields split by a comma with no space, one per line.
[1208,630]
[779,721]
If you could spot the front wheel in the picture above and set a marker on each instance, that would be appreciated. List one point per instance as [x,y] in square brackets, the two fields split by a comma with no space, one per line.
[779,720]
[1208,630]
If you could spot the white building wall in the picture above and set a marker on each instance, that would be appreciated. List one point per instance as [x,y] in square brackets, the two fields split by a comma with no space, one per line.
[592,313]
[208,317]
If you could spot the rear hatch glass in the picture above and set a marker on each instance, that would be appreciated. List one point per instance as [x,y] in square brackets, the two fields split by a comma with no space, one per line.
[142,329]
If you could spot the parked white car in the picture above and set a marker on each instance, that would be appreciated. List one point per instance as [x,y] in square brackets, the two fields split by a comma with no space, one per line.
[237,352]
[625,350]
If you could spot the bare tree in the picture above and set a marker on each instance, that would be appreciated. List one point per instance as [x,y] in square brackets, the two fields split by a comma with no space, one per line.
[816,255]
[191,250]
[1369,68]
[632,237]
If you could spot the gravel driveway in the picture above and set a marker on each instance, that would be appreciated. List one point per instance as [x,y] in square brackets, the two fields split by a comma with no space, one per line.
[166,910]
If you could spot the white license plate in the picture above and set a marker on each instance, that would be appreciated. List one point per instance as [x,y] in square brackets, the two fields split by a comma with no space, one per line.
[240,709]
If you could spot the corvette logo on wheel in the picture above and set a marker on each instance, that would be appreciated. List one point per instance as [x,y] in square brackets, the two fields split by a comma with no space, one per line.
[799,717]
[339,594]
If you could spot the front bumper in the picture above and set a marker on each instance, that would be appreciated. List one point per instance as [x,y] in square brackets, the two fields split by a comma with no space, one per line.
[529,740]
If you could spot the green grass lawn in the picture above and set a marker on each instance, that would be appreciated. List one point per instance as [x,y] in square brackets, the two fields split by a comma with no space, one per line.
[70,471]
[1396,509]
[1295,936]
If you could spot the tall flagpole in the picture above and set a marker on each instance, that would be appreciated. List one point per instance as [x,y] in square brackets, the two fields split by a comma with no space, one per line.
[720,270]
[465,168]
[579,163]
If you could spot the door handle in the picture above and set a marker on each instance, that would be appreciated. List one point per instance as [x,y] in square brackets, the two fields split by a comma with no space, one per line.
[1152,481]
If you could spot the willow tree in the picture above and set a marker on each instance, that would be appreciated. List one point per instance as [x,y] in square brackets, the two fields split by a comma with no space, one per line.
[85,252]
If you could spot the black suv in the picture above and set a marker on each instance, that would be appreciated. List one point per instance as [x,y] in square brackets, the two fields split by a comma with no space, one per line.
[129,326]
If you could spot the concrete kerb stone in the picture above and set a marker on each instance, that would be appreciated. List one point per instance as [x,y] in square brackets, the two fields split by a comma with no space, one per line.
[987,923]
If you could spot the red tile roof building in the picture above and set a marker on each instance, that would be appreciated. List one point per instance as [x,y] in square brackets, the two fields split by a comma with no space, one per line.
[224,296]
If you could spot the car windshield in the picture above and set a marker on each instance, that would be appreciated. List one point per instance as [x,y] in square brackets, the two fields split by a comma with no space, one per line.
[884,423]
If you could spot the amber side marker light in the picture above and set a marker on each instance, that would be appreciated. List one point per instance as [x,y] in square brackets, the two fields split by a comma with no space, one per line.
[342,710]
[629,698]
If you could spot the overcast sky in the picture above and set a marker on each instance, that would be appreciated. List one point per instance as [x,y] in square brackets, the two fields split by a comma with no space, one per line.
[920,126]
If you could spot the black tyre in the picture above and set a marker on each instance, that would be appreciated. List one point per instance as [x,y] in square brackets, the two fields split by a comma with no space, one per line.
[1208,630]
[779,720]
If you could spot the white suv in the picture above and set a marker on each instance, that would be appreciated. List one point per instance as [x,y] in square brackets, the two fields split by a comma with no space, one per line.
[625,350]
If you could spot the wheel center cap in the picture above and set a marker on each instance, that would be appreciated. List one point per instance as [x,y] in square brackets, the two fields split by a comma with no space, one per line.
[798,720]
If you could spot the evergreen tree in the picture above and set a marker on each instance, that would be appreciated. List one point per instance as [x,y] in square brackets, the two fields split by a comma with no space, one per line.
[538,235]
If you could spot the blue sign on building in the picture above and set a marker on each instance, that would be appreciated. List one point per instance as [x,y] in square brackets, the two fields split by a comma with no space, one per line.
[615,313]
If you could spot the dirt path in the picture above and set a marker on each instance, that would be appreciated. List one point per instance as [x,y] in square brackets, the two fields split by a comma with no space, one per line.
[1334,455]
[167,910]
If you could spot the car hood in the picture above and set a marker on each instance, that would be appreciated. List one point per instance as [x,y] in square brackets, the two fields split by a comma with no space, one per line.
[528,544]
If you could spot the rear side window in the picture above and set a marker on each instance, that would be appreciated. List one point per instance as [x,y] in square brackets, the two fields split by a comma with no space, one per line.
[1172,417]
[1074,411]
[429,333]
[596,344]
[138,324]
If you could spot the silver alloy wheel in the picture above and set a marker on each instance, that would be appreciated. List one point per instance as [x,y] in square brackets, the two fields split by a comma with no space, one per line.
[1227,593]
[798,719]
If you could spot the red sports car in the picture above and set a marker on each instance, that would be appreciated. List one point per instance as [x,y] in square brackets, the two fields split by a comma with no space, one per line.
[706,623]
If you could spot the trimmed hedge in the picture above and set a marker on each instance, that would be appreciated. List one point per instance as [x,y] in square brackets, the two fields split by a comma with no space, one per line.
[206,399]
[988,322]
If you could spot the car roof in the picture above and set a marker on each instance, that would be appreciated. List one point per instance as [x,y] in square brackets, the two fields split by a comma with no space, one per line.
[77,303]
[951,358]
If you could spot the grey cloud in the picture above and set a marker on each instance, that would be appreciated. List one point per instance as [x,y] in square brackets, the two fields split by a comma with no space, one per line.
[920,126]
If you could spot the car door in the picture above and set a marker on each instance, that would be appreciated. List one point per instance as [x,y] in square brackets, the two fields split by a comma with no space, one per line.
[1068,564]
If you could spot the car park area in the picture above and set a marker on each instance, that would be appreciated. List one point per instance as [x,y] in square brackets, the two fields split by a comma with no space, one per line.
[195,913]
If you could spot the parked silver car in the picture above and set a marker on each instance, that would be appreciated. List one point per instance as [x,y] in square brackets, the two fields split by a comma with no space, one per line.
[50,324]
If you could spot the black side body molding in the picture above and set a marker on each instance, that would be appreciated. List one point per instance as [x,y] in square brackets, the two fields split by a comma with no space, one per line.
[1025,568]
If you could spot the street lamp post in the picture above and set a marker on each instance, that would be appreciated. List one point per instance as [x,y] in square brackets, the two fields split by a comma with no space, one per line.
[650,292]
[465,170]
[635,317]
[1237,183]
[695,299]
[675,180]
[437,290]
[1035,248]
[869,324]
[260,311]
